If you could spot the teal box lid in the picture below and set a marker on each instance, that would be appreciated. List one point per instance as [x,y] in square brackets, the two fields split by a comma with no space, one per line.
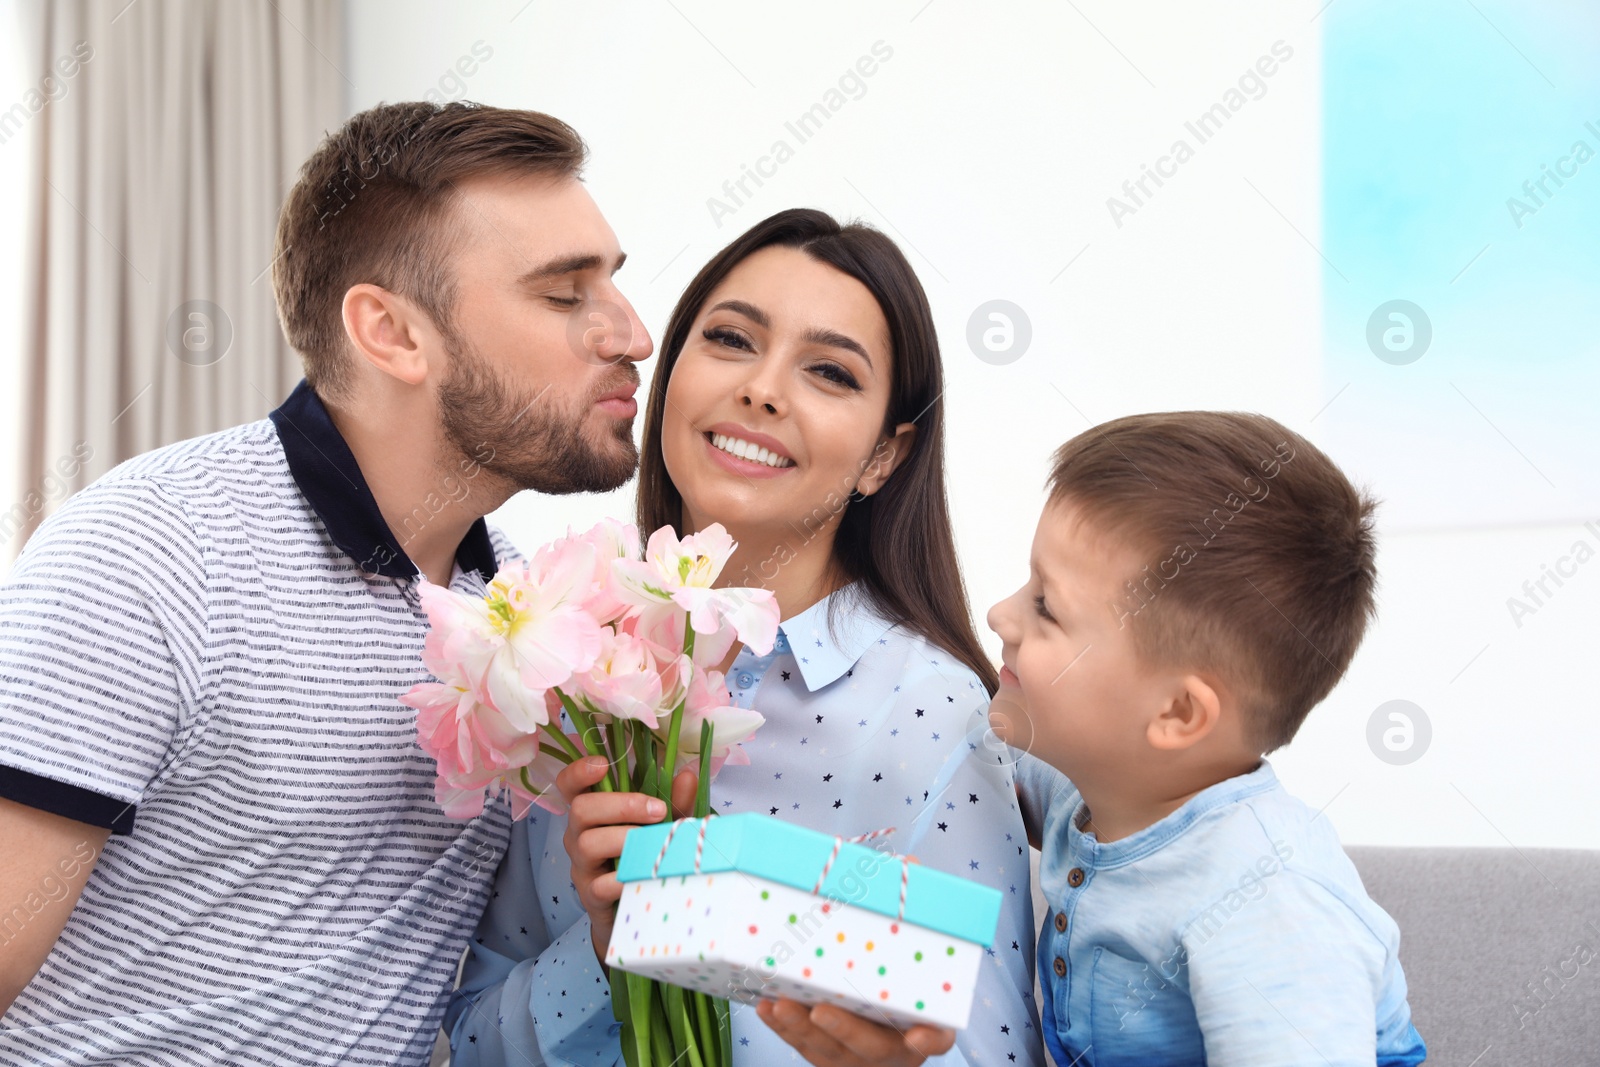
[790,855]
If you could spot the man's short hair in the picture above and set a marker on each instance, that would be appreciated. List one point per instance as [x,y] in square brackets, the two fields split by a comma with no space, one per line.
[376,203]
[1261,555]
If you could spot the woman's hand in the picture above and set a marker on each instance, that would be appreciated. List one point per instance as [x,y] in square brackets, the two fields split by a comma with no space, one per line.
[832,1037]
[596,825]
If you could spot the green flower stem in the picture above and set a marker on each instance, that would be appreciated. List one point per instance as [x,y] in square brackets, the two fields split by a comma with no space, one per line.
[683,1032]
[664,779]
[619,1009]
[616,740]
[705,1032]
[589,732]
[702,794]
[710,1035]
[658,1029]
[566,751]
[670,766]
[724,1014]
[644,753]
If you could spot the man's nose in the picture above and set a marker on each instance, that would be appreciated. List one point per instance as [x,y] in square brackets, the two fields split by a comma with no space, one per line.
[631,341]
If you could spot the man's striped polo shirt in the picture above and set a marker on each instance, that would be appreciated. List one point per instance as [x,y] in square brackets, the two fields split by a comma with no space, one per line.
[204,650]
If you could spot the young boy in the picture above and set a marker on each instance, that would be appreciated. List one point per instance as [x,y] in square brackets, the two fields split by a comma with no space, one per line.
[1199,581]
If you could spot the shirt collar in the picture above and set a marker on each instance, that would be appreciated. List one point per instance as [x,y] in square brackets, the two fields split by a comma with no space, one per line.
[326,471]
[1091,852]
[821,656]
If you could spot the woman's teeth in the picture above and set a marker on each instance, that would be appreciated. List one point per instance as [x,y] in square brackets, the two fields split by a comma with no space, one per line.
[745,450]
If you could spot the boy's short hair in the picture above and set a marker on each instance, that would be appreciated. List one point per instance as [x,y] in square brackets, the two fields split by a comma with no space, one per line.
[377,202]
[1262,559]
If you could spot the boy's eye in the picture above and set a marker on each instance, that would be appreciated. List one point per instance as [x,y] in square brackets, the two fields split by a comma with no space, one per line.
[1038,606]
[728,338]
[565,302]
[838,375]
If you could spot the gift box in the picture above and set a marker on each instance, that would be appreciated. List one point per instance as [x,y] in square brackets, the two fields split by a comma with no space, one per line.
[748,907]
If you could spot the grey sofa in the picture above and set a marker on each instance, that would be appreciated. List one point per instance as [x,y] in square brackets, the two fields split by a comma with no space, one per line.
[1501,949]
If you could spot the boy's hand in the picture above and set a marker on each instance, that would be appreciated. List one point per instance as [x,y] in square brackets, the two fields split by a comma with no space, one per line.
[596,826]
[832,1037]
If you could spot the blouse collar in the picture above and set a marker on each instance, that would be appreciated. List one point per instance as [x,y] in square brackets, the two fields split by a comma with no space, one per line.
[823,654]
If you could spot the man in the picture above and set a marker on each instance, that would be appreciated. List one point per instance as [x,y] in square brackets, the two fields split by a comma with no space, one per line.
[220,836]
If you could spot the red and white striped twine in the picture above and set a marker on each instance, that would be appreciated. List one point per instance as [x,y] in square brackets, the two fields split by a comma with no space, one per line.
[838,843]
[905,876]
[698,844]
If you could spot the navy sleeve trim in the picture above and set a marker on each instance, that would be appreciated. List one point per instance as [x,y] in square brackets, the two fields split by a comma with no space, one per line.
[70,801]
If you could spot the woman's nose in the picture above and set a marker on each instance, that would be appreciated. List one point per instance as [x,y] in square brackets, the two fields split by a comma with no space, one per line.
[762,390]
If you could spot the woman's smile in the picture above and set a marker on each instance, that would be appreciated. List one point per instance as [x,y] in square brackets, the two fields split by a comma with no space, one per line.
[747,452]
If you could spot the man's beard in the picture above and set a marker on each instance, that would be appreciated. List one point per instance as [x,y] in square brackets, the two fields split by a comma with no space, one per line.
[532,440]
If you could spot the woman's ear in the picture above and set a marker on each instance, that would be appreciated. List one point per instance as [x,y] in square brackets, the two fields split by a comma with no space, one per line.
[387,332]
[886,458]
[1189,717]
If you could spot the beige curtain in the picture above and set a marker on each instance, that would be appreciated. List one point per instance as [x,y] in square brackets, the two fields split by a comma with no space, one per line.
[165,144]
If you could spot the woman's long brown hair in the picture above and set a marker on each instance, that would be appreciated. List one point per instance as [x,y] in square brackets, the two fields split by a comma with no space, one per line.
[897,542]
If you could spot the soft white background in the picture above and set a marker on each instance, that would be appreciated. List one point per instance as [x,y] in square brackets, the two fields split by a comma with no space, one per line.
[987,146]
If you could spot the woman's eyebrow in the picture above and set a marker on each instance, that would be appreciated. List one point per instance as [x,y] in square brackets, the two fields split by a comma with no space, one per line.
[748,310]
[821,335]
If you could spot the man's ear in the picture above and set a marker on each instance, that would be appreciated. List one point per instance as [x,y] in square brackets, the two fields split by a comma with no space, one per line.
[1191,715]
[388,332]
[886,458]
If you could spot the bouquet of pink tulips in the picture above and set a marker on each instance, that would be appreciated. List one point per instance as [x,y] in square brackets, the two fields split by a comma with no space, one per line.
[623,644]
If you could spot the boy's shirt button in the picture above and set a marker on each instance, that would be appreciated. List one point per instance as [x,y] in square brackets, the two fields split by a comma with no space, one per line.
[1061,922]
[1075,877]
[1060,967]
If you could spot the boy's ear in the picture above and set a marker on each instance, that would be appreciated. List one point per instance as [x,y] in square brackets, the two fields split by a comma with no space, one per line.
[1190,716]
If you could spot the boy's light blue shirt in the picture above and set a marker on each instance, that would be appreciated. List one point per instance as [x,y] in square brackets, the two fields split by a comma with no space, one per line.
[1234,931]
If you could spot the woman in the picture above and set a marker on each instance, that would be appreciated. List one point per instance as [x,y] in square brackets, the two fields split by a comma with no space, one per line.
[797,404]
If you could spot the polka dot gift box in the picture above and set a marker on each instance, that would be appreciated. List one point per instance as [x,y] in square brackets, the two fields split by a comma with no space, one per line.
[746,906]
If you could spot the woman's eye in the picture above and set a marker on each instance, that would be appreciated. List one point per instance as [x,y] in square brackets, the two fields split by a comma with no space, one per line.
[722,335]
[838,375]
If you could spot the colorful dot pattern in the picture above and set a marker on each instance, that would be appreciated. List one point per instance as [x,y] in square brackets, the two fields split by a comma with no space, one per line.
[747,938]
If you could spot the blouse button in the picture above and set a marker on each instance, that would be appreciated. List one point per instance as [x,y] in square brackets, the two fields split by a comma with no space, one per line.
[1075,877]
[745,679]
[1060,967]
[1061,922]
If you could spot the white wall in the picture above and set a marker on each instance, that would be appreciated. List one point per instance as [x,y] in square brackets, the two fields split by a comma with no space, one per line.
[987,144]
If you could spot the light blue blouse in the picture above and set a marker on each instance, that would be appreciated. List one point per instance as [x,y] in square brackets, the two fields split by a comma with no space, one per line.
[866,727]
